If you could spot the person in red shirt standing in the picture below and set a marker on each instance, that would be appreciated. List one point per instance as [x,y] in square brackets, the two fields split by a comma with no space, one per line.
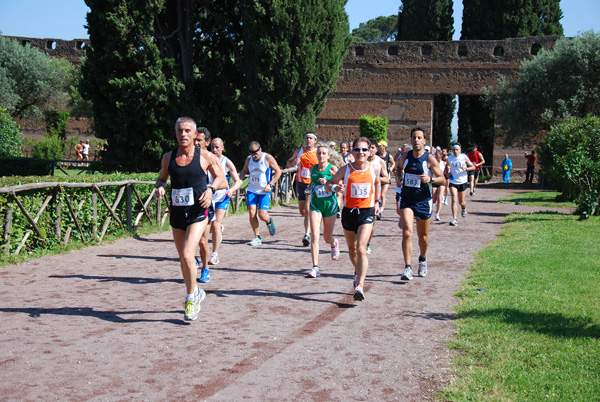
[531,158]
[477,159]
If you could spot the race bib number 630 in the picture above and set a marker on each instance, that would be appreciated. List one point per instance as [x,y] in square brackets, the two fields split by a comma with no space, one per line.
[183,197]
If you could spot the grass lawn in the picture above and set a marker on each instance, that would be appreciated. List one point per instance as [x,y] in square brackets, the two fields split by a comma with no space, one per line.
[545,198]
[529,313]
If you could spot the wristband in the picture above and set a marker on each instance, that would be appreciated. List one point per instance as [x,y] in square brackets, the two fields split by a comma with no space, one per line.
[160,183]
[334,187]
[212,188]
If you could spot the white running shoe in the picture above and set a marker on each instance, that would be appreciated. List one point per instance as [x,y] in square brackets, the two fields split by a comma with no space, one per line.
[437,217]
[335,250]
[407,274]
[453,222]
[192,307]
[445,201]
[314,272]
[464,213]
[423,268]
[359,294]
[214,259]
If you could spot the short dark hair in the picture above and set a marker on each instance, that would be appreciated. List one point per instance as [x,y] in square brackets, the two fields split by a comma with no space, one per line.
[206,133]
[254,143]
[361,139]
[416,129]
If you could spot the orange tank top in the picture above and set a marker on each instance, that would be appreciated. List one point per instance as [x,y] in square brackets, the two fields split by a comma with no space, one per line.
[360,187]
[307,160]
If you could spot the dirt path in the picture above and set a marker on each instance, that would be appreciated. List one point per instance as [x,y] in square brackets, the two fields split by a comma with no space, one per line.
[105,323]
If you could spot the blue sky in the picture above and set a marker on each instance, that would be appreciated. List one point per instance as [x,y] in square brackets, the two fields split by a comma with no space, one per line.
[64,19]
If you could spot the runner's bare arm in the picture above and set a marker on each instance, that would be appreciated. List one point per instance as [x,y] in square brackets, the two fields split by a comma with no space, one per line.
[293,161]
[434,166]
[337,181]
[163,176]
[244,171]
[272,163]
[237,182]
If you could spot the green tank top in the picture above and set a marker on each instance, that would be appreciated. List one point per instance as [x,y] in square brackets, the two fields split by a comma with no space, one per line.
[321,200]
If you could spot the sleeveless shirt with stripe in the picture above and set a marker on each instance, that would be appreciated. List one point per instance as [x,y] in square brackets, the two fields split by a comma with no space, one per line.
[412,187]
[360,186]
[260,174]
[307,160]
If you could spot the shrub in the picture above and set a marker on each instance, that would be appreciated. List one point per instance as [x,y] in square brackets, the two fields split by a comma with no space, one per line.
[10,136]
[56,123]
[49,147]
[11,166]
[570,159]
[373,127]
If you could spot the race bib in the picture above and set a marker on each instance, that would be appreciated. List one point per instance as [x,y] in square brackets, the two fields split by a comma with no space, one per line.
[255,177]
[182,197]
[305,173]
[321,192]
[412,180]
[360,190]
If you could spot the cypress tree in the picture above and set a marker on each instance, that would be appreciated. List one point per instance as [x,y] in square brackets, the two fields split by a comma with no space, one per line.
[496,20]
[247,70]
[431,20]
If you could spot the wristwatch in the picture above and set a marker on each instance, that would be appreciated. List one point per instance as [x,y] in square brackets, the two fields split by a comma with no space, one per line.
[212,188]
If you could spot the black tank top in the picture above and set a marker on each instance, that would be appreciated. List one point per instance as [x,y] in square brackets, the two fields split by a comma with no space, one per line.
[185,177]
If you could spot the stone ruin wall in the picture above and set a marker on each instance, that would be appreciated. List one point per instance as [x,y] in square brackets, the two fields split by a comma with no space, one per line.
[398,80]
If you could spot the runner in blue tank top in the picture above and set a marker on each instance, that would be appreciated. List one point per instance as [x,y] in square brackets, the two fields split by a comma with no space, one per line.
[419,170]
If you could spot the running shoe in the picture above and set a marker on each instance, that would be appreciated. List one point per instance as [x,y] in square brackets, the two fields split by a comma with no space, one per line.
[271,226]
[204,275]
[339,215]
[407,274]
[335,250]
[437,217]
[470,192]
[368,249]
[354,283]
[306,240]
[378,217]
[222,229]
[445,202]
[192,307]
[197,262]
[214,259]
[256,241]
[359,294]
[423,268]
[464,213]
[399,223]
[314,272]
[453,222]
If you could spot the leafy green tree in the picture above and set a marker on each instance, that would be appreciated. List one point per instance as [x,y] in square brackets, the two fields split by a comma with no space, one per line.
[380,29]
[249,70]
[293,54]
[489,20]
[30,80]
[10,135]
[431,20]
[133,88]
[570,159]
[373,127]
[552,87]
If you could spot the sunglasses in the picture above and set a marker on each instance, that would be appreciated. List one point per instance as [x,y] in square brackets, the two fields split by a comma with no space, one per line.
[361,149]
[253,152]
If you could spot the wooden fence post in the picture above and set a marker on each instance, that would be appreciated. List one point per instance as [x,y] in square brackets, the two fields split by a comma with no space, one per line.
[8,223]
[95,215]
[129,208]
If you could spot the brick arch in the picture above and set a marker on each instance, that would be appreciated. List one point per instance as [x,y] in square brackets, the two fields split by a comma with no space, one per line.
[398,80]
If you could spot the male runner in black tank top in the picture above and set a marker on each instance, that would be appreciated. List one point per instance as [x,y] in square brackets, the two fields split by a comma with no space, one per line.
[190,197]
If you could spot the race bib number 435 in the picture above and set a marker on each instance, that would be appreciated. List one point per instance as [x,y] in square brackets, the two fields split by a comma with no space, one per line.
[183,197]
[360,190]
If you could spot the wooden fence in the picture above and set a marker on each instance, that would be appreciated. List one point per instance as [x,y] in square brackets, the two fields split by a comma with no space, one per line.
[136,208]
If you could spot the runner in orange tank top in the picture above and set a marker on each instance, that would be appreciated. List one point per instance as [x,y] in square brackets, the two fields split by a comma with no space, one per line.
[361,186]
[304,158]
